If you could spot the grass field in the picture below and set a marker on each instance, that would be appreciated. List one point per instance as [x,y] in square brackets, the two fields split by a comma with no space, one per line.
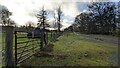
[77,51]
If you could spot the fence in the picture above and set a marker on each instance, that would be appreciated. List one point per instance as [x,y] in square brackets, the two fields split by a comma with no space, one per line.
[16,47]
[19,47]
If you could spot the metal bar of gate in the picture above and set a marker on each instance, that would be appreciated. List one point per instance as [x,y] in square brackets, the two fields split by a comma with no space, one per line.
[25,42]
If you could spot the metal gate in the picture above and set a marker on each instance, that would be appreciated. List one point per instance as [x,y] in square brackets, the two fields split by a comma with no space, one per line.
[25,47]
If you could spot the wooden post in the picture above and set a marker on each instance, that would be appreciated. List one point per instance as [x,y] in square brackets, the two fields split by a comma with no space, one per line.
[46,37]
[51,36]
[9,47]
[54,36]
[15,47]
[41,40]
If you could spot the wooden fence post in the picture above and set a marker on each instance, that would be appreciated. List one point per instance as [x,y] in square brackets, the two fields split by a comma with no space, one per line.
[47,37]
[9,47]
[41,40]
[51,36]
[15,47]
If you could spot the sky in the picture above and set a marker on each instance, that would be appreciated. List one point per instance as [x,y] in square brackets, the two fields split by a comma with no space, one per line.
[24,11]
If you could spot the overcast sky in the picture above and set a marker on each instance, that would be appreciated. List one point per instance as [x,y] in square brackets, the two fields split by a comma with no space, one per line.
[25,10]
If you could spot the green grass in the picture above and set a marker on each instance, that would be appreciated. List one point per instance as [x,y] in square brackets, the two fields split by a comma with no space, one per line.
[75,47]
[0,49]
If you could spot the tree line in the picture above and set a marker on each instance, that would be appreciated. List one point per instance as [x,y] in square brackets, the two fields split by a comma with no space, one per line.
[101,18]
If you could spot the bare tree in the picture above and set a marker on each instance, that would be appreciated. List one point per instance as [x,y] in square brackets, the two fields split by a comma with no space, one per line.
[59,18]
[55,21]
[101,18]
[104,15]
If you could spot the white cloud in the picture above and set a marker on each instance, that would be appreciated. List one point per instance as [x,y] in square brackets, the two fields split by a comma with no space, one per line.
[70,8]
[24,10]
[66,23]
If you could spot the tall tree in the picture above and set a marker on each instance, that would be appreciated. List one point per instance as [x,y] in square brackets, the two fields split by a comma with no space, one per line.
[84,20]
[55,21]
[104,16]
[59,18]
[101,18]
[42,16]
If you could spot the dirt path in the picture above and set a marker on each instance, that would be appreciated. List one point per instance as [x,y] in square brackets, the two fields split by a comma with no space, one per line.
[103,38]
[109,39]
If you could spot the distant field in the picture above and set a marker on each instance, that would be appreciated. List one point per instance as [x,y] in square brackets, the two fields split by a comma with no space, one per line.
[78,50]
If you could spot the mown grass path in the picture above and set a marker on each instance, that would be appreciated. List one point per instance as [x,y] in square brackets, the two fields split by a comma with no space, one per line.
[78,50]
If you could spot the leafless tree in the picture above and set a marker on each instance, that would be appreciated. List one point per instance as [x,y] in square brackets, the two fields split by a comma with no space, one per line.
[59,18]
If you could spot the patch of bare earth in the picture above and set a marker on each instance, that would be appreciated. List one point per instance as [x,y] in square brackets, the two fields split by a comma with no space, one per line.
[46,52]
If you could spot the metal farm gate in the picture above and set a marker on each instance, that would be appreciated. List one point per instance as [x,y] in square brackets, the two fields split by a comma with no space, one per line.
[19,46]
[25,47]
